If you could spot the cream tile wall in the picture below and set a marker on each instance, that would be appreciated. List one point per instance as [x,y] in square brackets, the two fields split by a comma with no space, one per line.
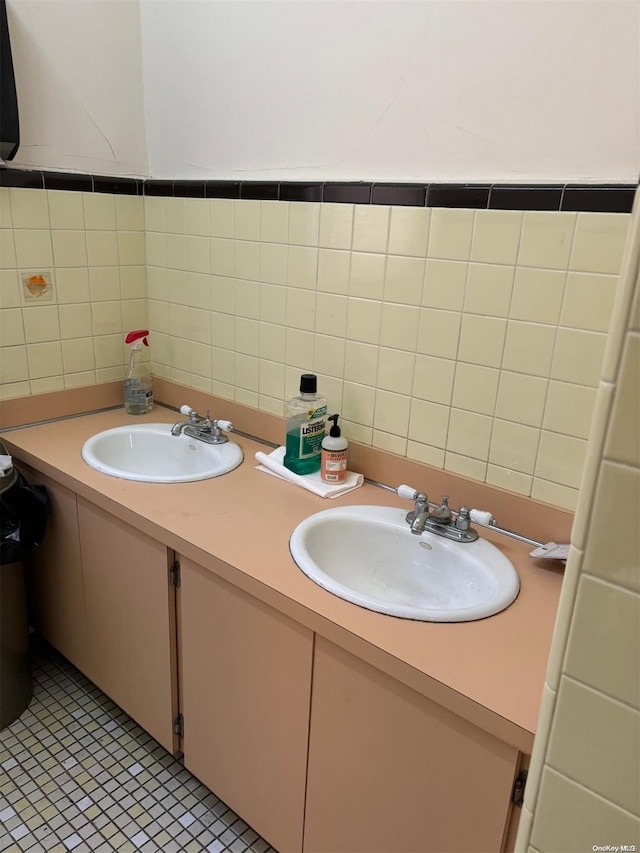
[583,791]
[92,247]
[470,340]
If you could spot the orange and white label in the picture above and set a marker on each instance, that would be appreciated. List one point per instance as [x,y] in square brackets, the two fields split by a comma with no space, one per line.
[334,466]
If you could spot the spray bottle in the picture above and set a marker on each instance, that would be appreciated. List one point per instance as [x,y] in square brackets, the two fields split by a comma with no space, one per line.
[138,393]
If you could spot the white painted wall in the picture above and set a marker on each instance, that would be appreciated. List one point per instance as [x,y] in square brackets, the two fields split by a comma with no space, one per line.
[317,89]
[439,90]
[78,71]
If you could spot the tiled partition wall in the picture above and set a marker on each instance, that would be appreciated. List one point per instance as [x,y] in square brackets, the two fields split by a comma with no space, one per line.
[457,334]
[583,791]
[467,339]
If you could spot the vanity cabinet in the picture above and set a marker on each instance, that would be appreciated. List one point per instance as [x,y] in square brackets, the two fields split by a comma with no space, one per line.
[389,770]
[245,689]
[315,749]
[130,616]
[56,586]
[99,592]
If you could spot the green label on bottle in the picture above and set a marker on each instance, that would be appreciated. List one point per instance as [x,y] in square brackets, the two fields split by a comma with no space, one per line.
[312,433]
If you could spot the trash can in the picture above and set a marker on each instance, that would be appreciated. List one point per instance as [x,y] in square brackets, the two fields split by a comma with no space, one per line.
[23,512]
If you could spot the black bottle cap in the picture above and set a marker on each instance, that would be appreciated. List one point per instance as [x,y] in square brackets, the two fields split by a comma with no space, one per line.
[334,432]
[308,383]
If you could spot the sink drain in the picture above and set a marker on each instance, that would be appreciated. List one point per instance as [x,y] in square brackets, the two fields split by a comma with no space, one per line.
[425,545]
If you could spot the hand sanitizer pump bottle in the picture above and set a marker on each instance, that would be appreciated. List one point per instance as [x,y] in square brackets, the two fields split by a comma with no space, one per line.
[138,392]
[334,454]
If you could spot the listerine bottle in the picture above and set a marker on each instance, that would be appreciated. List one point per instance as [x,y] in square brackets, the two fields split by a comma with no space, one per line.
[306,418]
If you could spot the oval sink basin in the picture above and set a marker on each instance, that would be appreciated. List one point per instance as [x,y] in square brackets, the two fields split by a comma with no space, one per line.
[150,454]
[368,555]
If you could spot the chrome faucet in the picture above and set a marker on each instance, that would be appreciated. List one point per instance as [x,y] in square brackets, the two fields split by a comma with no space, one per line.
[437,518]
[194,420]
[202,428]
[451,523]
[417,518]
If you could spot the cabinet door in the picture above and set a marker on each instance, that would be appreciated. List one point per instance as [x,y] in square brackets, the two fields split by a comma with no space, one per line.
[389,770]
[130,608]
[246,683]
[56,590]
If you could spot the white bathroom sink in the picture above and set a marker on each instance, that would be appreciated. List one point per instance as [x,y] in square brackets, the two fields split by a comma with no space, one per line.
[368,555]
[150,454]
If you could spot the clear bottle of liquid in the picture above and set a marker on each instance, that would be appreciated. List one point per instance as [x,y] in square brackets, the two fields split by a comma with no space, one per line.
[306,420]
[138,391]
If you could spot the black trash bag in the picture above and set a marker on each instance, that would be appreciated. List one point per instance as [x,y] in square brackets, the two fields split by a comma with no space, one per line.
[23,519]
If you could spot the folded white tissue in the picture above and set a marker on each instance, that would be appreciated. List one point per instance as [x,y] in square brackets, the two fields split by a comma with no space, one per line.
[272,463]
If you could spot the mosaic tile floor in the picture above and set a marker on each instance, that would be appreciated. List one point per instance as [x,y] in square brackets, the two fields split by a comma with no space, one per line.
[76,773]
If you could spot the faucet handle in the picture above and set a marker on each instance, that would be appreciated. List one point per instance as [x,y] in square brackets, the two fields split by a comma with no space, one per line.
[420,499]
[190,413]
[481,516]
[216,437]
[463,519]
[407,492]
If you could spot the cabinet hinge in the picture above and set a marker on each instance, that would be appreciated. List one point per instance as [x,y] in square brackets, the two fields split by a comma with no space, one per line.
[517,795]
[178,725]
[174,574]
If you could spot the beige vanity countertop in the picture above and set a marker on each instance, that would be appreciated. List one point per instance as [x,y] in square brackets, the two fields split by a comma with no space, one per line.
[490,671]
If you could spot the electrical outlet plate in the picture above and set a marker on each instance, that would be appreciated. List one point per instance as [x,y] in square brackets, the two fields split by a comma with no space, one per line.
[37,286]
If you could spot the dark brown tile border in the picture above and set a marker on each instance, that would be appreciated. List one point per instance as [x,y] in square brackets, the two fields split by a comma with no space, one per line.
[188,189]
[25,178]
[158,188]
[117,186]
[262,190]
[293,191]
[591,198]
[458,195]
[222,189]
[509,197]
[352,192]
[67,181]
[399,195]
[605,199]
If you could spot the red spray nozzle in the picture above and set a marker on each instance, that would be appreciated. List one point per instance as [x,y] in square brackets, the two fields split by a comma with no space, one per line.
[132,337]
